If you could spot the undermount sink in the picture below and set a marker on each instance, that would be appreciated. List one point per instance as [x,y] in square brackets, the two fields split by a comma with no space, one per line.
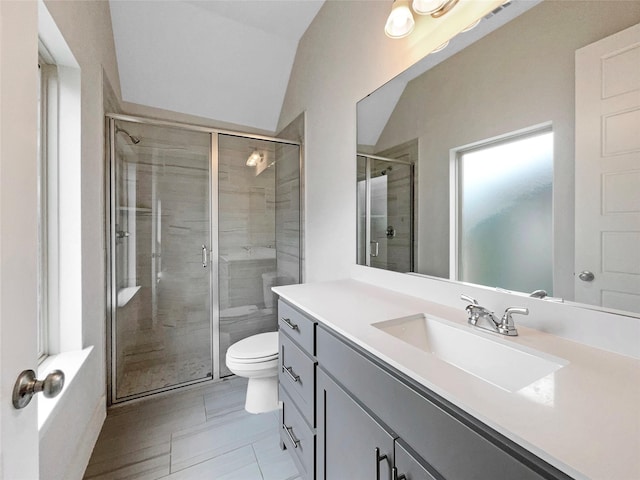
[494,361]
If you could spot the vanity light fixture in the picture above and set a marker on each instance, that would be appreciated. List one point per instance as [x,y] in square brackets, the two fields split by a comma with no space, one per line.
[400,22]
[435,8]
[254,158]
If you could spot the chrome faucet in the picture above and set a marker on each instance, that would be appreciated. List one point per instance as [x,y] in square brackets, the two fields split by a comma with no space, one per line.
[504,326]
[539,294]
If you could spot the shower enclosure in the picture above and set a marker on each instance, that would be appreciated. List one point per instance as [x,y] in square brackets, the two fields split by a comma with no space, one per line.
[385,213]
[202,223]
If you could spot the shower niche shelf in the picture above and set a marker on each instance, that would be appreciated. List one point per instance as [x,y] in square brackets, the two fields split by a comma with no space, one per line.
[126,294]
[135,209]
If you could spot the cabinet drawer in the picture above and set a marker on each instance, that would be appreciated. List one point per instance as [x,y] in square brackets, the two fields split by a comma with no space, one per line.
[297,376]
[298,326]
[458,447]
[297,437]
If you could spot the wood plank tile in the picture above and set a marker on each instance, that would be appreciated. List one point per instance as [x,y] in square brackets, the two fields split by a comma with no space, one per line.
[177,418]
[220,403]
[221,435]
[237,464]
[113,448]
[151,468]
[196,434]
[97,468]
[121,438]
[274,463]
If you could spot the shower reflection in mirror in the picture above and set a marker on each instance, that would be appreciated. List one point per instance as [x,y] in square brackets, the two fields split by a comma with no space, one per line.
[386,215]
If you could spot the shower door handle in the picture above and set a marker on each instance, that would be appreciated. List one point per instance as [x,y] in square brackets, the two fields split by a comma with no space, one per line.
[205,254]
[374,248]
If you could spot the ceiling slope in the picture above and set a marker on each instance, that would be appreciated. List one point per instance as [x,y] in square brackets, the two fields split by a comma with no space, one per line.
[228,60]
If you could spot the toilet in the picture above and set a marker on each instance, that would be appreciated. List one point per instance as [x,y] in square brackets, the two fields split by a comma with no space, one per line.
[256,358]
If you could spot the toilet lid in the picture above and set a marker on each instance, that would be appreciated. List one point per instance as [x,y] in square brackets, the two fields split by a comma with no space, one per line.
[258,346]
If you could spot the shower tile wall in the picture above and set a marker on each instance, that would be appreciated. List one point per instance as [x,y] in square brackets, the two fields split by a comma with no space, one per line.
[399,217]
[287,217]
[288,208]
[247,239]
[400,204]
[246,201]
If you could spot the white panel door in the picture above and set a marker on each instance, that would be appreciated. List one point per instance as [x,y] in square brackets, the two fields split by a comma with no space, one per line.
[18,233]
[608,172]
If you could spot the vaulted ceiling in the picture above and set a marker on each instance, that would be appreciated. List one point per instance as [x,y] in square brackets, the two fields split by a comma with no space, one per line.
[228,60]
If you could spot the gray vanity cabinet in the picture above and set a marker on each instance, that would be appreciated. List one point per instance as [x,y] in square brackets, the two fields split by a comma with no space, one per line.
[297,437]
[297,387]
[352,443]
[434,437]
[409,465]
[349,415]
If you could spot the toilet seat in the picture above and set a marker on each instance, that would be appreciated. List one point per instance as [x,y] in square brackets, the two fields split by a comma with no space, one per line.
[251,361]
[260,348]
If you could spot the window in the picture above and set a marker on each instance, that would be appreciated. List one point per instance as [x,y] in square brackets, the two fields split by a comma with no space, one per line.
[59,196]
[504,211]
[47,195]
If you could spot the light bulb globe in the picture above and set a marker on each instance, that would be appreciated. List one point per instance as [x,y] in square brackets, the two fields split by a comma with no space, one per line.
[427,7]
[400,22]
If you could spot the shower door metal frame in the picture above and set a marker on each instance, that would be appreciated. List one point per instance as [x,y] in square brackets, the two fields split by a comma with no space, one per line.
[110,236]
[368,160]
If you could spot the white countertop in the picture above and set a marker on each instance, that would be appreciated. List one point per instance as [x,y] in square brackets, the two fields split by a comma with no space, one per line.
[584,419]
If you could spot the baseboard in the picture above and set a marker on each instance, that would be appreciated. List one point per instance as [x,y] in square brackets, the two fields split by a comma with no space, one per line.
[85,447]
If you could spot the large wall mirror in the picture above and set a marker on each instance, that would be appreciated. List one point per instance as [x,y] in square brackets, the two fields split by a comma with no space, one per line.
[473,164]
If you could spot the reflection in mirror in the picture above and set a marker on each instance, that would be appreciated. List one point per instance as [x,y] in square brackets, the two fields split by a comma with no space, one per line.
[517,70]
[385,213]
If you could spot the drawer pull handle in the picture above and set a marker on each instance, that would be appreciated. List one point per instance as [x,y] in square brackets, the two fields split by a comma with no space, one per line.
[379,458]
[289,371]
[293,439]
[395,476]
[289,323]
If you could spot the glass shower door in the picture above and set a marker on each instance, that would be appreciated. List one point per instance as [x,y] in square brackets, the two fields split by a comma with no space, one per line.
[161,236]
[385,213]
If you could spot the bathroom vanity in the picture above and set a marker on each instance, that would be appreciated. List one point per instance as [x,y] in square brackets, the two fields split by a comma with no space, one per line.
[360,400]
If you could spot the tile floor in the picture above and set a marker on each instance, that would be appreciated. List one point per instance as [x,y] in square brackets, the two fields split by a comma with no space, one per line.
[203,433]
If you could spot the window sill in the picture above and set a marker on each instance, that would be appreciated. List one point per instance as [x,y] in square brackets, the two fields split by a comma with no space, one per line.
[70,363]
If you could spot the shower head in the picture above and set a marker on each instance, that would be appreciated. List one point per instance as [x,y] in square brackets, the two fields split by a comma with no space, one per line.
[135,140]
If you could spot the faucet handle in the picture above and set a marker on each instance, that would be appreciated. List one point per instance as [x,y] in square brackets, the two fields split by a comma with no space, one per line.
[469,299]
[519,310]
[507,327]
[472,311]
